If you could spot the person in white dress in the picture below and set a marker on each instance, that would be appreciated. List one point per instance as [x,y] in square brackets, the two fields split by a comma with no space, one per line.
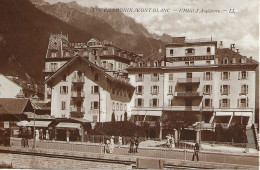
[37,135]
[47,135]
[112,144]
[119,141]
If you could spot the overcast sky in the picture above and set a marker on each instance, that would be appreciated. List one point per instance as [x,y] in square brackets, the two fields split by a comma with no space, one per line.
[241,28]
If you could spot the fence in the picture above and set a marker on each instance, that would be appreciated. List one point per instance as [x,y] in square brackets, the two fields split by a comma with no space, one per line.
[164,153]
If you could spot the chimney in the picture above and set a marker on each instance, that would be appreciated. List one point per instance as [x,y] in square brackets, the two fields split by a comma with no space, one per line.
[216,61]
[233,48]
[221,45]
[237,51]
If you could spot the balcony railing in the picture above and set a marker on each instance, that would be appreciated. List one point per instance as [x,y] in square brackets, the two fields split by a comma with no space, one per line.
[183,108]
[188,54]
[78,79]
[77,114]
[242,105]
[155,92]
[224,105]
[189,80]
[139,79]
[49,70]
[187,94]
[76,109]
[77,94]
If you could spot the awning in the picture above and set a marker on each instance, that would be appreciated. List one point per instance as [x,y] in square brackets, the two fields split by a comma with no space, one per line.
[62,125]
[39,123]
[224,113]
[147,113]
[243,114]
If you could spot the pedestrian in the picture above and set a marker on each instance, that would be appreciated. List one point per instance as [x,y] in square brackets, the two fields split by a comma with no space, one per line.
[107,149]
[30,132]
[37,135]
[26,137]
[132,143]
[47,135]
[85,135]
[168,140]
[171,141]
[196,151]
[112,144]
[40,134]
[68,136]
[136,144]
[119,141]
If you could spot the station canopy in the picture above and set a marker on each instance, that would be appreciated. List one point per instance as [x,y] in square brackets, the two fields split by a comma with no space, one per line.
[63,125]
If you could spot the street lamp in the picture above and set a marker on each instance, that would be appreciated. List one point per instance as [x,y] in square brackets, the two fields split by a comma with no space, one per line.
[35,97]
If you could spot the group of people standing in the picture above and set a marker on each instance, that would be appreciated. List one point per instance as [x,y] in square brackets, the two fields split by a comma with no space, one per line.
[110,145]
[134,143]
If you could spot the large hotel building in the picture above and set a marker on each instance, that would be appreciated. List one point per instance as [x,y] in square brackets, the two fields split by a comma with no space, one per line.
[94,80]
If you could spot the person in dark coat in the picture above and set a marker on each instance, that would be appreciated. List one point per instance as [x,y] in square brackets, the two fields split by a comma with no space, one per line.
[196,151]
[132,143]
[136,144]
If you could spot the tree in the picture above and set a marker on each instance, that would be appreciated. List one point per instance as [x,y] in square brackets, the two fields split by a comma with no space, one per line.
[125,116]
[113,119]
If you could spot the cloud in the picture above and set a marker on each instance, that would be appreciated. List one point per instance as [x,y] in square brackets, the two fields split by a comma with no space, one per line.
[241,28]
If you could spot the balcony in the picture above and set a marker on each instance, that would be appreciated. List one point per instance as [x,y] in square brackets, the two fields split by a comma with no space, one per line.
[77,112]
[76,94]
[49,70]
[188,80]
[182,108]
[78,79]
[188,94]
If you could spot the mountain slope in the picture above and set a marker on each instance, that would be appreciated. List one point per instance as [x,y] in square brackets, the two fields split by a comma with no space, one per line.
[26,31]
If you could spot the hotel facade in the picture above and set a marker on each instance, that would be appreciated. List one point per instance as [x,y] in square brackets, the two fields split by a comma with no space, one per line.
[95,80]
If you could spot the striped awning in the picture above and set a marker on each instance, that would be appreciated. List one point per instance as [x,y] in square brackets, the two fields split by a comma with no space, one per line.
[63,125]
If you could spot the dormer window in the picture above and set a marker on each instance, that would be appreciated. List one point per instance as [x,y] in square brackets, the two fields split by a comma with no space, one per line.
[156,64]
[243,60]
[171,52]
[225,61]
[53,55]
[208,50]
[190,51]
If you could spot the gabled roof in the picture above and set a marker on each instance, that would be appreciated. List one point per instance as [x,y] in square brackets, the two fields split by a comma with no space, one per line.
[92,65]
[12,105]
[11,80]
[230,54]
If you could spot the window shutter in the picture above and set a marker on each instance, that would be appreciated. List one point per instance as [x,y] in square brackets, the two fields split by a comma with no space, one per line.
[92,89]
[157,104]
[229,75]
[239,75]
[220,103]
[98,104]
[246,89]
[142,102]
[221,88]
[92,105]
[203,103]
[151,89]
[247,75]
[210,89]
[221,75]
[151,77]
[210,103]
[204,89]
[136,77]
[135,102]
[238,102]
[151,102]
[136,89]
[228,102]
[142,77]
[157,89]
[158,76]
[228,89]
[204,76]
[247,102]
[142,89]
[211,76]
